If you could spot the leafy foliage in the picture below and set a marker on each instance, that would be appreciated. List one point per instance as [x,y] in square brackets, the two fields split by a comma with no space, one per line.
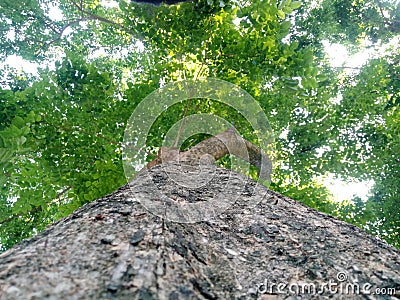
[61,131]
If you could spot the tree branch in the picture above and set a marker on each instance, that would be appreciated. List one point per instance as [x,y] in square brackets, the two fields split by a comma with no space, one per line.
[216,147]
[13,217]
[99,18]
[64,191]
[386,20]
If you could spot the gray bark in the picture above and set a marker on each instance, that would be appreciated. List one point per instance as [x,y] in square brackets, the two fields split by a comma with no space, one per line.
[114,248]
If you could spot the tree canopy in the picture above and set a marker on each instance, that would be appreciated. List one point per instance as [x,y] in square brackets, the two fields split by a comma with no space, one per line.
[62,126]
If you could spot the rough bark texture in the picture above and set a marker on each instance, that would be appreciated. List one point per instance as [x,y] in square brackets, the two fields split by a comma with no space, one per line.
[113,248]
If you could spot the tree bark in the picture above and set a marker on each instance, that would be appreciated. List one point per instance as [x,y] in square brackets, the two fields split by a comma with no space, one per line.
[263,246]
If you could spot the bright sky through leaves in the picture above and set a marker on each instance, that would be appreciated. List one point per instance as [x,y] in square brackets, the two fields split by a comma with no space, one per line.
[339,57]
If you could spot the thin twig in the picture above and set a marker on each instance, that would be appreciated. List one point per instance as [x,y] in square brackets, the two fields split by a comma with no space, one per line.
[64,191]
[101,19]
[13,217]
[181,126]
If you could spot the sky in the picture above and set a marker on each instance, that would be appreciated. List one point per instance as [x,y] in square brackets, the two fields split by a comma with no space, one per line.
[339,57]
[18,63]
[342,190]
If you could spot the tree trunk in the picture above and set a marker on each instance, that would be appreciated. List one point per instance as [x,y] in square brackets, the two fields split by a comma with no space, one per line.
[262,246]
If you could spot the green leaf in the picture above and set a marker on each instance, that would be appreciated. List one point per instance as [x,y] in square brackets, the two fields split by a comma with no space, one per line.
[5,154]
[295,4]
[281,14]
[19,122]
